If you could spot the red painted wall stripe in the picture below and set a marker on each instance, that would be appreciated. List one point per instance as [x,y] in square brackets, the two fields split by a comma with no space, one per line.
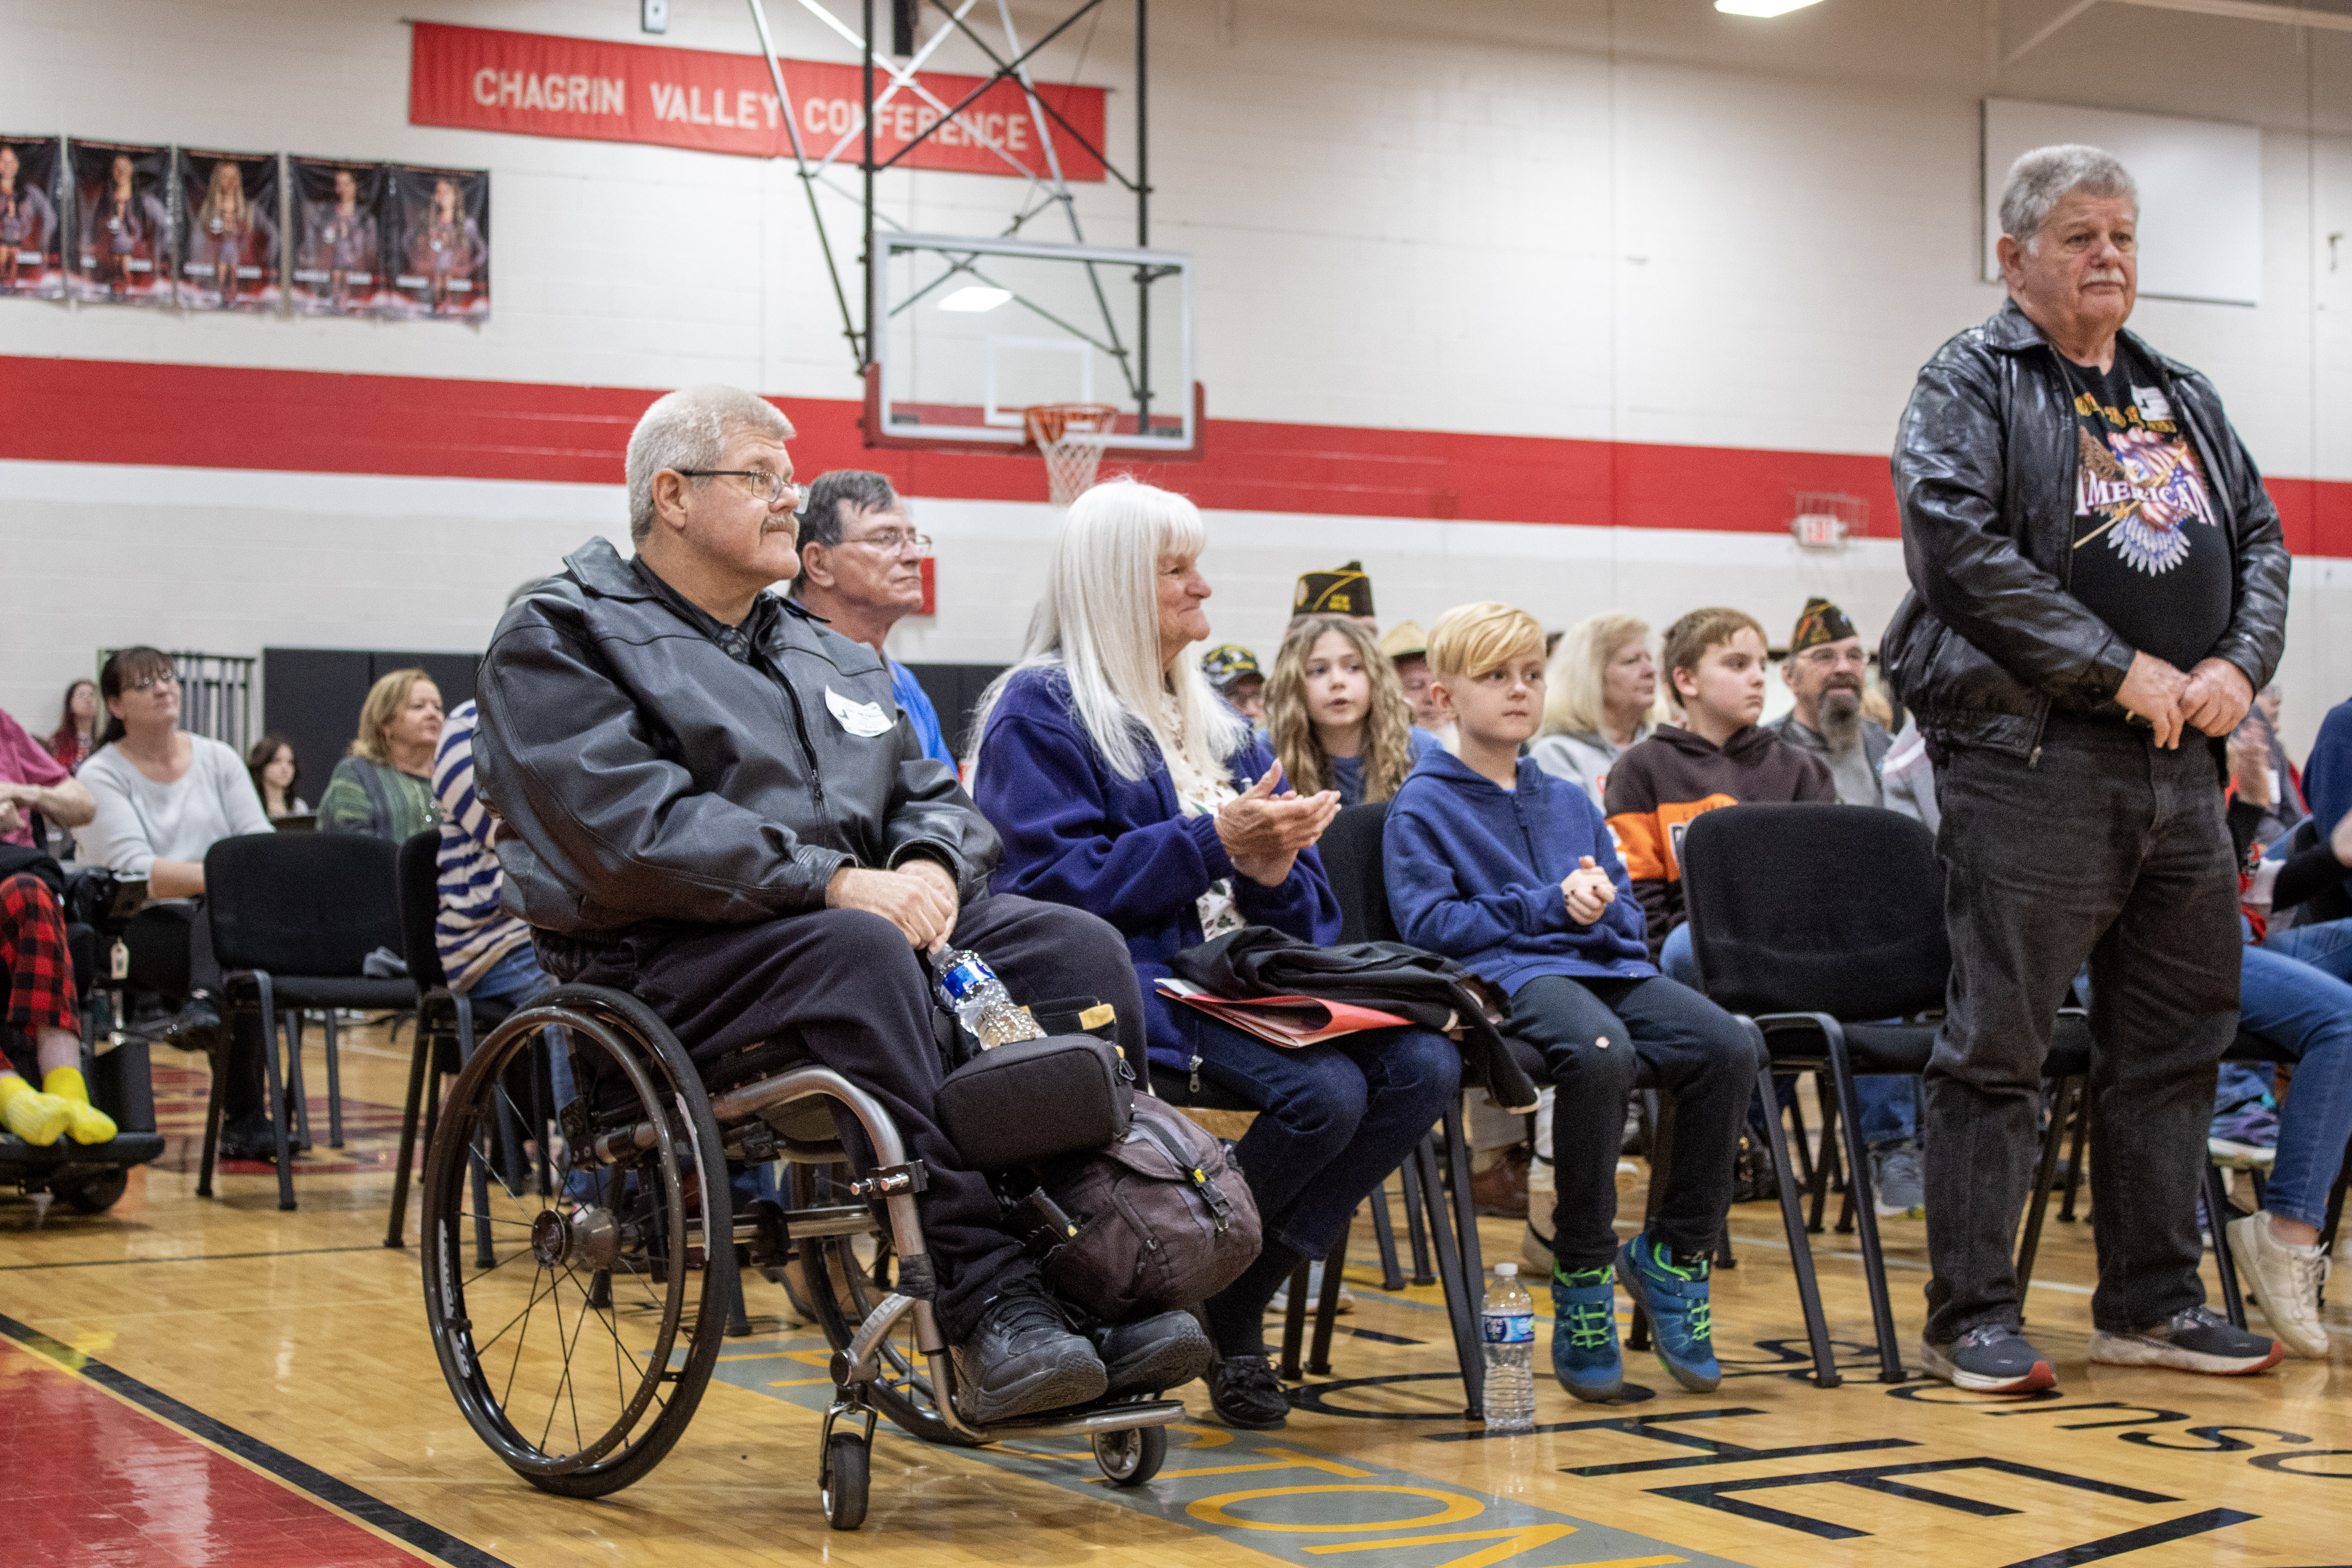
[207,416]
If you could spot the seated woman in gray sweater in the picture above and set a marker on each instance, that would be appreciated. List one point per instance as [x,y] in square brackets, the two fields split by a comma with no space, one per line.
[1600,690]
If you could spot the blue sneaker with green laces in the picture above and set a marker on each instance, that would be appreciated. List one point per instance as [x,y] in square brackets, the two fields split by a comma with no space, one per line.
[1584,1354]
[1674,1292]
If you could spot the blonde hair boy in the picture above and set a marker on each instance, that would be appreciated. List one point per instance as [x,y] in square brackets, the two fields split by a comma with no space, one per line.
[1472,639]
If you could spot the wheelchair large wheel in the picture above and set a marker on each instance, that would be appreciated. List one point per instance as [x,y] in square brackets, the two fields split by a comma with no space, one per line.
[578,1267]
[844,1278]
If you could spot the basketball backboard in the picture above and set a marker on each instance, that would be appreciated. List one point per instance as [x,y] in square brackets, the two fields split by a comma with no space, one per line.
[975,330]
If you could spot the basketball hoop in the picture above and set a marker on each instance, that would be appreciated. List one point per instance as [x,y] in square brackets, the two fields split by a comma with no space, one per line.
[1068,435]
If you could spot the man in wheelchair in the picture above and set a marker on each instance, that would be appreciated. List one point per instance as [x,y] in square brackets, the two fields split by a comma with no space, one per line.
[712,801]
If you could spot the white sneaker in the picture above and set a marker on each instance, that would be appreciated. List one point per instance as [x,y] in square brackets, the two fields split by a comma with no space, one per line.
[2283,1280]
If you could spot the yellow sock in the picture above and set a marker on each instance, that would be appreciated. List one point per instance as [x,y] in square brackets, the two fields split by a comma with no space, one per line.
[39,1119]
[86,1123]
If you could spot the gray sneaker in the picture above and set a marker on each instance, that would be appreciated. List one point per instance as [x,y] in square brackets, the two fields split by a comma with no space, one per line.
[1899,1192]
[1991,1358]
[2195,1338]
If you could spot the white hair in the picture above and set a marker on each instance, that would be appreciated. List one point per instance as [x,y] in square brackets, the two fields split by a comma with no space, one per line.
[1099,623]
[689,429]
[2038,178]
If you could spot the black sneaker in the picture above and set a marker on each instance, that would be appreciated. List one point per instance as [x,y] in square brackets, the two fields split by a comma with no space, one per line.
[1154,1355]
[1023,1358]
[2196,1339]
[197,1027]
[1991,1358]
[249,1137]
[1247,1394]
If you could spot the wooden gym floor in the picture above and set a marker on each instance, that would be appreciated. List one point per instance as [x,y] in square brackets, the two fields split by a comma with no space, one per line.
[193,1380]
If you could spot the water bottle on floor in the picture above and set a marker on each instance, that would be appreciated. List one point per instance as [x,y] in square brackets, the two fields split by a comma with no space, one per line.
[972,991]
[1508,1327]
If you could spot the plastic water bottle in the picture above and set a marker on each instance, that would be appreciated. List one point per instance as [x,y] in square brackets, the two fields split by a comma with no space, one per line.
[1510,1330]
[980,1001]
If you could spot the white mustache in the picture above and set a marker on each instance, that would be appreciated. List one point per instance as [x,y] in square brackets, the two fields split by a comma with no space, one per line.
[2105,275]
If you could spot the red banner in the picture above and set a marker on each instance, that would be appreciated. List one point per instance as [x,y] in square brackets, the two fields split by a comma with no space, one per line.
[533,85]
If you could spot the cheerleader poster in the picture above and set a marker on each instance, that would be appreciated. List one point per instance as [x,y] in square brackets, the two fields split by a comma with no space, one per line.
[438,242]
[121,249]
[228,255]
[338,246]
[32,250]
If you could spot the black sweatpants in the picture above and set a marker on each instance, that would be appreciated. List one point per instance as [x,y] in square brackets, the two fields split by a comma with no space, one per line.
[169,945]
[2110,850]
[1595,1035]
[858,996]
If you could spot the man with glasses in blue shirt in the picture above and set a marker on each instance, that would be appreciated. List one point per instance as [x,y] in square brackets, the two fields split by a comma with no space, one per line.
[861,570]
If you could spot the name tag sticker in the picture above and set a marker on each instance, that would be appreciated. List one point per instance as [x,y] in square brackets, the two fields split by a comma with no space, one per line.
[2154,406]
[865,720]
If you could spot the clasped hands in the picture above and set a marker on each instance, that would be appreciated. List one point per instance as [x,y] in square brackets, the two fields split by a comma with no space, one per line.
[1588,892]
[1263,831]
[2213,698]
[919,898]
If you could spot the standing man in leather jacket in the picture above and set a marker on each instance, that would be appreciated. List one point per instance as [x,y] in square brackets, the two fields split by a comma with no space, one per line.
[2099,587]
[713,801]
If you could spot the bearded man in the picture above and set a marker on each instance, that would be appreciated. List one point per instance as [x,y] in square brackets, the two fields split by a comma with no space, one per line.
[1825,669]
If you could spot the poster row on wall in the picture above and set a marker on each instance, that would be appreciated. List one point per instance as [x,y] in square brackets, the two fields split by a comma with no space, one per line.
[124,224]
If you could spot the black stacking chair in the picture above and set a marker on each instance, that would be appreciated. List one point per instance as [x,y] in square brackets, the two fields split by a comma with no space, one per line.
[293,920]
[1816,925]
[448,1021]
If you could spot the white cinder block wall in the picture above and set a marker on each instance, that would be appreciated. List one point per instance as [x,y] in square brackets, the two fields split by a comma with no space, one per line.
[1637,220]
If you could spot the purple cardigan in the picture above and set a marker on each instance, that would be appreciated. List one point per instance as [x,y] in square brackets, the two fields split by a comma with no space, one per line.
[1075,833]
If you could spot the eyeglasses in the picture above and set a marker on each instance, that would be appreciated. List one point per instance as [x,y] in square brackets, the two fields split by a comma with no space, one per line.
[894,541]
[148,683]
[776,486]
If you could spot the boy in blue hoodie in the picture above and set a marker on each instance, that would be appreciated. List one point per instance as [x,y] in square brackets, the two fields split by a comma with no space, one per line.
[1495,862]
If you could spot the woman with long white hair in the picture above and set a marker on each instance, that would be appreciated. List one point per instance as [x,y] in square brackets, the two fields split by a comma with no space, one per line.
[1603,685]
[1121,785]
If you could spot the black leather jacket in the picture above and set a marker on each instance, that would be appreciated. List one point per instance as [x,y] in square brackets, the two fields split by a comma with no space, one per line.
[1989,639]
[644,775]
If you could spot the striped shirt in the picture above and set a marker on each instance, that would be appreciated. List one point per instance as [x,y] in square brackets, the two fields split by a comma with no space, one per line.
[472,931]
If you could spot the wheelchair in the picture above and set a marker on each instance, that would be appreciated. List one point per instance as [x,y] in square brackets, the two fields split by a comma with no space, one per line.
[92,1178]
[580,1268]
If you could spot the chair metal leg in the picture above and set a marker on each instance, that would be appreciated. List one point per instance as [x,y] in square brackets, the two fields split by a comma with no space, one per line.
[2335,1201]
[1465,1212]
[739,1322]
[274,1084]
[1384,1238]
[1792,1223]
[1294,1319]
[297,1087]
[1462,1310]
[2075,1157]
[2045,1176]
[213,1098]
[1857,1181]
[419,1062]
[2217,1213]
[1326,1305]
[1416,1236]
[1827,1169]
[1797,1123]
[334,1088]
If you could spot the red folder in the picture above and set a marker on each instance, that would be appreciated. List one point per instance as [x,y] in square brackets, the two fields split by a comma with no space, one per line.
[1288,1022]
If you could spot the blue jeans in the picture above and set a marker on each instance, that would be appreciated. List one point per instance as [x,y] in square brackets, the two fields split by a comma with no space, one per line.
[2307,1014]
[1889,1102]
[516,978]
[2326,946]
[1333,1119]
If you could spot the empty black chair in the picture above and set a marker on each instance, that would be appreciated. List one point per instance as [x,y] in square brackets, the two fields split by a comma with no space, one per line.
[293,920]
[448,1021]
[1820,923]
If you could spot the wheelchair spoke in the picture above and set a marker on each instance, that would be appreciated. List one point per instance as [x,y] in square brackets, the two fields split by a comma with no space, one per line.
[537,1295]
[516,1364]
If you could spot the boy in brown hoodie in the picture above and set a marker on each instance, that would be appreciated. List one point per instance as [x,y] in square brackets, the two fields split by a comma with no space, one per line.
[1718,756]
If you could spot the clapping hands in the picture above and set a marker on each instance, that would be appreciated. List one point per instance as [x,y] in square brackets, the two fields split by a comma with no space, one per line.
[1263,830]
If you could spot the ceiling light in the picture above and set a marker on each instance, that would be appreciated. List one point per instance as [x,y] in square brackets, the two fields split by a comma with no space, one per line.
[1761,7]
[976,298]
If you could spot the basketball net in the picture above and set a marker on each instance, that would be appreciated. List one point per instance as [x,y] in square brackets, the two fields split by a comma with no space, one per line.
[1059,431]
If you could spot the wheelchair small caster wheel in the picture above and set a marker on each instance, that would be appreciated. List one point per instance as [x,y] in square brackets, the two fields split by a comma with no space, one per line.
[843,1483]
[1132,1458]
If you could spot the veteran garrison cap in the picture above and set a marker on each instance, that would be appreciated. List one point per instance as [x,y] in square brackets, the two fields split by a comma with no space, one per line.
[1347,591]
[1821,622]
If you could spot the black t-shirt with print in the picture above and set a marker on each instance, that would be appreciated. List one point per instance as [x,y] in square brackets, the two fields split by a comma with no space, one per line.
[2149,556]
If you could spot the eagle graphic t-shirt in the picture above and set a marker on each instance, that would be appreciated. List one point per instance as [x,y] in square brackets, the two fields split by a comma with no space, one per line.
[2149,556]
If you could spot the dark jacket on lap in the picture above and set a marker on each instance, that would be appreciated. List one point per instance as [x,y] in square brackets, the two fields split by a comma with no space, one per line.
[646,775]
